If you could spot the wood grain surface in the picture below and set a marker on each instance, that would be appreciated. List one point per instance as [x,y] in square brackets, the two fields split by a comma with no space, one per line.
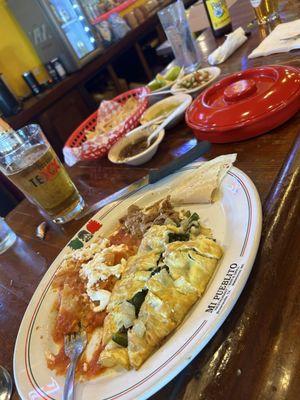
[256,353]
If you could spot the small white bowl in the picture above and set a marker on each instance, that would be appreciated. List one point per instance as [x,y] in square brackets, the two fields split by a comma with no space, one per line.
[178,98]
[214,73]
[131,137]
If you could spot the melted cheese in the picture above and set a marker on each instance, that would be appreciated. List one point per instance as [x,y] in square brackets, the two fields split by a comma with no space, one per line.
[97,270]
[100,295]
[89,251]
[122,315]
[156,238]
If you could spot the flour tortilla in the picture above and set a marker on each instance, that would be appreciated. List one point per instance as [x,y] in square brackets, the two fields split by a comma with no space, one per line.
[201,185]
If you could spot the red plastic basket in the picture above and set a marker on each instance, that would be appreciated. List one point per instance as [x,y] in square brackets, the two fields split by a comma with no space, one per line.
[80,149]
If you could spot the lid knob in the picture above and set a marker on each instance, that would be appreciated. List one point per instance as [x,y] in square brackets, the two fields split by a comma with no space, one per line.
[240,90]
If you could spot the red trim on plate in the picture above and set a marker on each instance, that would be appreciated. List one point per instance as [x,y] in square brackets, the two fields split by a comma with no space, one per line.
[250,211]
[35,386]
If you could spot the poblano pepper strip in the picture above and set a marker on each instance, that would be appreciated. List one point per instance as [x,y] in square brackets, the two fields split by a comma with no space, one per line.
[121,337]
[138,299]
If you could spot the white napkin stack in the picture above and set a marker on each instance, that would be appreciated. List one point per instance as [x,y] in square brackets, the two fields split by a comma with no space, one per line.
[274,43]
[233,41]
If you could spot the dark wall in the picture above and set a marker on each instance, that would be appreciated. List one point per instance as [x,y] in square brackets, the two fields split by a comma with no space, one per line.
[7,201]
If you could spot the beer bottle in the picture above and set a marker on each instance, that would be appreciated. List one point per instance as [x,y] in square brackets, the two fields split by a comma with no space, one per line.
[218,16]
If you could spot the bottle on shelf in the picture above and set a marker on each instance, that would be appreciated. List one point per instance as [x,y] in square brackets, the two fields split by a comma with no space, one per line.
[52,72]
[59,68]
[218,16]
[32,82]
[9,105]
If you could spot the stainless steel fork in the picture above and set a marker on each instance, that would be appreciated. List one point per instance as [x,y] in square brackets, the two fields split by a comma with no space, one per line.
[74,346]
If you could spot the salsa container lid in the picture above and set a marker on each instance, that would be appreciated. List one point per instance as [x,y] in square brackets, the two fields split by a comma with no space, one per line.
[249,101]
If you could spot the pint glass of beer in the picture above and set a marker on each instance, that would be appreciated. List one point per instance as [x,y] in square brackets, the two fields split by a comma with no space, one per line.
[265,10]
[28,160]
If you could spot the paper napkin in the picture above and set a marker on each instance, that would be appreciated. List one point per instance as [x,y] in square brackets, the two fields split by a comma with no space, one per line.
[282,39]
[233,41]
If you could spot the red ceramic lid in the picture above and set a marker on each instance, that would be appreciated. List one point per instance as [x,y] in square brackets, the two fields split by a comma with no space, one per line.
[250,97]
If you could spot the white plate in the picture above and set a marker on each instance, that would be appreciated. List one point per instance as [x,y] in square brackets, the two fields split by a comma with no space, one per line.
[183,100]
[235,219]
[131,137]
[214,73]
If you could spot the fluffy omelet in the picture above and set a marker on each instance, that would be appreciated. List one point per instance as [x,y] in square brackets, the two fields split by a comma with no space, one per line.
[158,287]
[156,238]
[194,260]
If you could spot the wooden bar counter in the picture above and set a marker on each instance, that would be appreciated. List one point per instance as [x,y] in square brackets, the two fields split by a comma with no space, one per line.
[255,355]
